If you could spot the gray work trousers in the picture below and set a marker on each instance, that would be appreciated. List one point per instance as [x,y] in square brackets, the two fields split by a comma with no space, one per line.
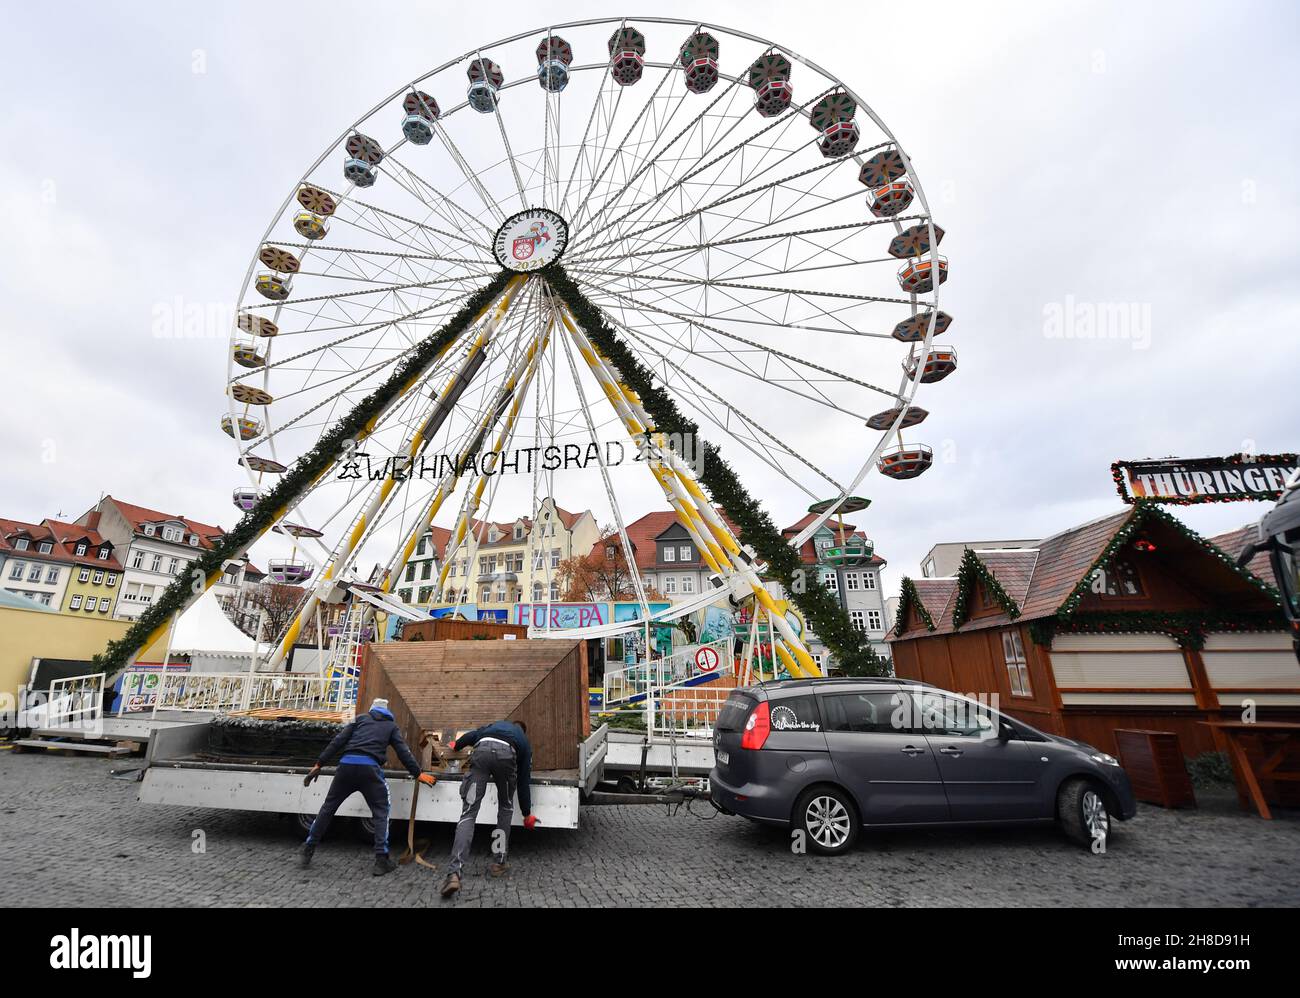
[490,761]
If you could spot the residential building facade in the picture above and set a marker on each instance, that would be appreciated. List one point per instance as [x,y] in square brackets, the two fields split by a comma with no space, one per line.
[153,548]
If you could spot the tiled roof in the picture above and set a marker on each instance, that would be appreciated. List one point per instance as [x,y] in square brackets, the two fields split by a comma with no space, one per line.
[1012,568]
[1062,561]
[138,516]
[936,596]
[68,534]
[1234,541]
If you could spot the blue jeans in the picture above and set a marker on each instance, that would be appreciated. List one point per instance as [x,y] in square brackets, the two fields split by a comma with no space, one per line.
[352,778]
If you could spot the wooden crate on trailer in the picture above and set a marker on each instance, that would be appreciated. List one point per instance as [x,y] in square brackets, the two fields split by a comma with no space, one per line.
[440,688]
[455,629]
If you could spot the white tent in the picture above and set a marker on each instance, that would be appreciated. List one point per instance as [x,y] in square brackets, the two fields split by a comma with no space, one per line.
[208,637]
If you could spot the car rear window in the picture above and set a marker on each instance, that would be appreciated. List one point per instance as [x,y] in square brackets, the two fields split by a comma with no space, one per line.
[797,713]
[735,711]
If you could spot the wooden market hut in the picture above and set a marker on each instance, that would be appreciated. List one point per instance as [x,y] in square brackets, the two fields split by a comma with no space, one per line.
[1129,621]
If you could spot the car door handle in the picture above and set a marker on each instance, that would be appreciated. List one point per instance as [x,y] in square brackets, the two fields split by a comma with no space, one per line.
[951,750]
[911,750]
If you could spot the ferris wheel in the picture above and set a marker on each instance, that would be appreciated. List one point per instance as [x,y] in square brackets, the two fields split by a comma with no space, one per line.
[522,248]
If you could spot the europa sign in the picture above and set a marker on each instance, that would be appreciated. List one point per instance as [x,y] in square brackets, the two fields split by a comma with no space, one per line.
[1204,479]
[531,240]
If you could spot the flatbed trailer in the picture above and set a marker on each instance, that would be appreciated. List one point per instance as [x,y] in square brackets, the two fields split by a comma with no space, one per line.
[181,771]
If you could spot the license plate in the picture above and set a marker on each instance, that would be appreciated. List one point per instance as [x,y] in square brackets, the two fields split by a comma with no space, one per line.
[724,758]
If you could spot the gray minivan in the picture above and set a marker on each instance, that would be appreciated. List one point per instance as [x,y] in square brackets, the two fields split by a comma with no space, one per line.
[828,756]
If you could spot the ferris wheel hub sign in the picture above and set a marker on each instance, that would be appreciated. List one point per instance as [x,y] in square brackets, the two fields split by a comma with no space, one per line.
[531,240]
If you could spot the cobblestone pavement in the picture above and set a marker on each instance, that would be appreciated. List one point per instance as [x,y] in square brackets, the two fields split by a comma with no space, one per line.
[70,835]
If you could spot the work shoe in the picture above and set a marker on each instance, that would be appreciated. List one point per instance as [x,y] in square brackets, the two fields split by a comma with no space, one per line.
[451,885]
[384,864]
[305,854]
[498,869]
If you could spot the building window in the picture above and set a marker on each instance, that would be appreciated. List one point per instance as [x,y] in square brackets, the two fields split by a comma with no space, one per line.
[410,572]
[688,584]
[173,534]
[555,590]
[424,593]
[21,544]
[34,573]
[420,547]
[873,620]
[868,580]
[194,540]
[157,563]
[16,573]
[99,577]
[555,557]
[1013,651]
[858,619]
[103,605]
[851,581]
[648,582]
[75,604]
[832,581]
[81,548]
[83,575]
[112,579]
[45,599]
[148,529]
[51,576]
[103,554]
[404,595]
[172,566]
[137,559]
[537,592]
[670,553]
[684,552]
[670,585]
[92,604]
[45,547]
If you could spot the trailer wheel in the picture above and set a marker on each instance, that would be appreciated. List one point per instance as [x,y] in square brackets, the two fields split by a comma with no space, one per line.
[301,823]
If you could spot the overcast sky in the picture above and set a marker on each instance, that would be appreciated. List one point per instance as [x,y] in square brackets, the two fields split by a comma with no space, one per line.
[1138,159]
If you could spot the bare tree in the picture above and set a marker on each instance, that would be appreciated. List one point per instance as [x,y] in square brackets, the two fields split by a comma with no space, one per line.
[275,604]
[603,574]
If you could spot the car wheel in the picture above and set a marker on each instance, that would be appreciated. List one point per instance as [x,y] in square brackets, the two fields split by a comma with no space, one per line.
[1082,813]
[301,823]
[828,820]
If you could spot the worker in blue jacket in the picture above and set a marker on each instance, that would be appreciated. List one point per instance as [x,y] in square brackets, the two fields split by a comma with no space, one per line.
[362,748]
[502,754]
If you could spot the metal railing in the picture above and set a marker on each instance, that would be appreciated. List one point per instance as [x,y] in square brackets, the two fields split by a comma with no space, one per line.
[693,665]
[76,702]
[687,713]
[220,692]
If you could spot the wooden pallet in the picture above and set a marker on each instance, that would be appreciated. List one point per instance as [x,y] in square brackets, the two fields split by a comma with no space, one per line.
[290,714]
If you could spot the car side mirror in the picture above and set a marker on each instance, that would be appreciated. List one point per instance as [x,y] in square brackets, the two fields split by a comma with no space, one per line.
[1005,732]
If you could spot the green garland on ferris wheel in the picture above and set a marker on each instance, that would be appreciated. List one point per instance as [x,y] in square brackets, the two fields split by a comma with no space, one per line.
[292,485]
[820,609]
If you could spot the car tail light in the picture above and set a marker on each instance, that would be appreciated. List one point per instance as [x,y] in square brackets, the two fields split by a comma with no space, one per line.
[757,728]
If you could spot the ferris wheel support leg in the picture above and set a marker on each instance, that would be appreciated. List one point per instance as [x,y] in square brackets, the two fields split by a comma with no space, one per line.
[802,663]
[451,392]
[506,433]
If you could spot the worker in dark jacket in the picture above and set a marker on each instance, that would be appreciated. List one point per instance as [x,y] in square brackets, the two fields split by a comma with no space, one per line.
[363,747]
[502,754]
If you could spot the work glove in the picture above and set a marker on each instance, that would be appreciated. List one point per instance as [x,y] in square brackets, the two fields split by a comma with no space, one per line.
[451,745]
[427,779]
[313,775]
[530,821]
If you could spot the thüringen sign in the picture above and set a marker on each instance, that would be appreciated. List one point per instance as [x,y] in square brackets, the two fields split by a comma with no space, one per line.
[1205,479]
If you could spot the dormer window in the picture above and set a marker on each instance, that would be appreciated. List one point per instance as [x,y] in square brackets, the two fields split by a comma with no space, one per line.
[103,554]
[194,540]
[45,547]
[148,530]
[21,544]
[81,547]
